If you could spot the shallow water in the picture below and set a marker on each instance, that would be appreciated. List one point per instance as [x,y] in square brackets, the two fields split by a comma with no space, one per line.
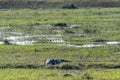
[117,53]
[23,38]
[5,27]
[1,42]
[75,26]
[85,45]
[23,42]
[92,45]
[55,40]
[14,38]
[17,35]
[113,42]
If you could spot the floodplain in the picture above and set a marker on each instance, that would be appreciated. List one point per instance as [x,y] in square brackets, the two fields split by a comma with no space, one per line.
[89,37]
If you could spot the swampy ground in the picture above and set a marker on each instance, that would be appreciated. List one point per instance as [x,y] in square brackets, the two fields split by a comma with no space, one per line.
[89,37]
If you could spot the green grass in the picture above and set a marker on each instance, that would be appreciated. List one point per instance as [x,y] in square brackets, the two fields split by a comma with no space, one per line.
[84,16]
[94,62]
[45,74]
[31,74]
[14,55]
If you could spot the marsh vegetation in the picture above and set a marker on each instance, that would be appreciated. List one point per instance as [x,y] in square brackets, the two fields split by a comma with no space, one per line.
[89,37]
